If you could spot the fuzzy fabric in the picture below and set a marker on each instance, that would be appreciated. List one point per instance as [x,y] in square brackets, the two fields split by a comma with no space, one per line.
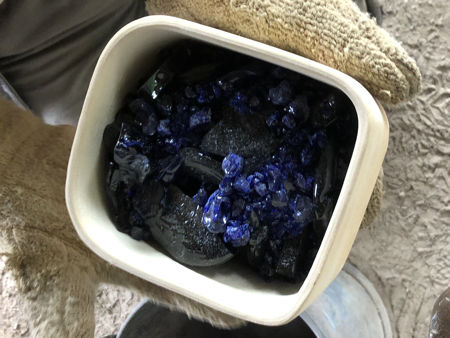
[333,32]
[57,274]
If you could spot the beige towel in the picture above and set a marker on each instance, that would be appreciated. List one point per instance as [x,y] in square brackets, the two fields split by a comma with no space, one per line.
[333,32]
[57,274]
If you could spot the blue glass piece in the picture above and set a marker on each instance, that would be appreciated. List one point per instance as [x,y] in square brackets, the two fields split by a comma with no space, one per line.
[282,152]
[201,197]
[232,165]
[267,201]
[296,137]
[193,109]
[216,212]
[242,185]
[309,182]
[182,107]
[290,167]
[294,228]
[281,94]
[217,91]
[172,145]
[288,121]
[325,113]
[237,234]
[257,207]
[274,214]
[179,127]
[205,94]
[200,119]
[328,108]
[259,176]
[150,125]
[237,208]
[140,105]
[261,188]
[275,178]
[307,155]
[130,138]
[302,208]
[304,183]
[280,198]
[273,121]
[180,118]
[164,128]
[190,92]
[164,104]
[299,109]
[319,138]
[248,211]
[251,181]
[145,115]
[157,82]
[239,103]
[226,186]
[231,80]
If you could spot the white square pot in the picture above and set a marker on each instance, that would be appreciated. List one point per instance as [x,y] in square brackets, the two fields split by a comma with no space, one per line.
[231,288]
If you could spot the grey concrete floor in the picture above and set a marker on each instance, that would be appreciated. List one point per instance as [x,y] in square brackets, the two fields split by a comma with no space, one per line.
[406,252]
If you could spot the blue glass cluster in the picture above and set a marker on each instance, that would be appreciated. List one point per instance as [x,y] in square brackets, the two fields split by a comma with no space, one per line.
[277,193]
[263,190]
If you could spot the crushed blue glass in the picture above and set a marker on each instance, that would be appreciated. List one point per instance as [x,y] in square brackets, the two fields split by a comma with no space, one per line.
[201,197]
[281,94]
[223,155]
[232,165]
